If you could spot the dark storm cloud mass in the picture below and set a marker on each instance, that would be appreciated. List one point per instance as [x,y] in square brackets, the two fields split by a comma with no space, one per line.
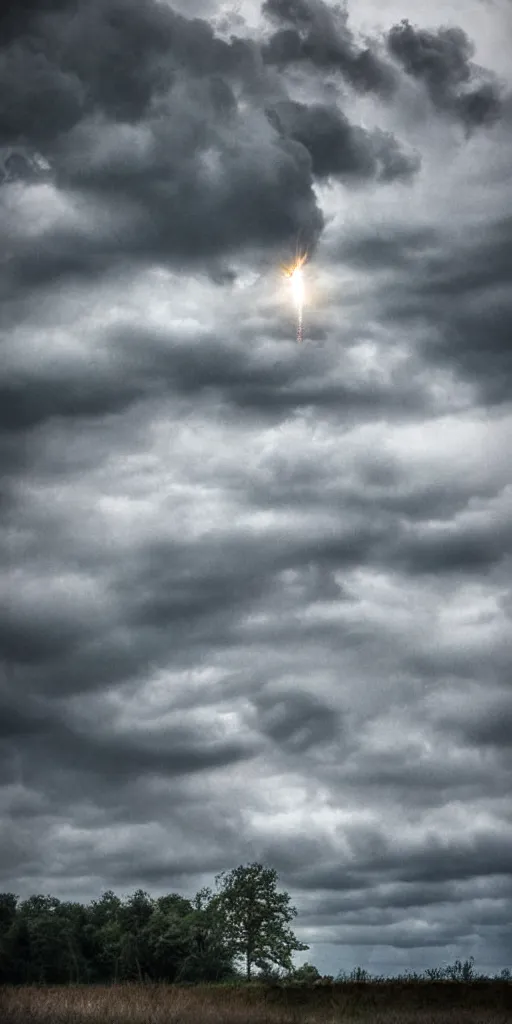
[442,60]
[143,109]
[27,402]
[107,56]
[180,209]
[17,16]
[256,599]
[318,34]
[338,148]
[297,721]
[133,105]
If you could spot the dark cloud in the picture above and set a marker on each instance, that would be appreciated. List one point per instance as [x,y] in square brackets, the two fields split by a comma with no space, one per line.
[473,549]
[39,100]
[87,752]
[175,208]
[442,60]
[26,403]
[117,58]
[432,861]
[134,107]
[139,366]
[153,114]
[338,148]
[495,729]
[486,724]
[19,16]
[297,721]
[318,35]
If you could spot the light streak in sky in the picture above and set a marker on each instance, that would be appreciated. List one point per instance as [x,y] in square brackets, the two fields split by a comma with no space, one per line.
[295,274]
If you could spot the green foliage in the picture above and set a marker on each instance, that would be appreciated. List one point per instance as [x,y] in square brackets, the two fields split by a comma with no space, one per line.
[306,973]
[253,916]
[45,941]
[208,957]
[8,906]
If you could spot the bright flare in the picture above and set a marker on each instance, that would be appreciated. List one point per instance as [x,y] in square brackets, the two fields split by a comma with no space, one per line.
[296,277]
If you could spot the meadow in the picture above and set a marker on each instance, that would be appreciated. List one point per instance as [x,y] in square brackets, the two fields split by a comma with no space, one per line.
[393,1002]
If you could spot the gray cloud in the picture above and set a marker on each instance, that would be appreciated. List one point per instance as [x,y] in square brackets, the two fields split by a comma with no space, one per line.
[106,56]
[485,724]
[442,60]
[174,206]
[85,752]
[144,367]
[135,108]
[297,721]
[339,148]
[318,35]
[458,288]
[18,18]
[430,862]
[39,99]
[150,113]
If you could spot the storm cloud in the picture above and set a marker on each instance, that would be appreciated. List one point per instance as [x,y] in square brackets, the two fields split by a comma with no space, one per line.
[442,61]
[340,149]
[318,34]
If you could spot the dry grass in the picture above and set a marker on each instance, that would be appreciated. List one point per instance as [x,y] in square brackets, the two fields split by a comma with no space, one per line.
[339,1004]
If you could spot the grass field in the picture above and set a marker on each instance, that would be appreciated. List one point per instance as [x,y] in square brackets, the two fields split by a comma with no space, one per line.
[382,1003]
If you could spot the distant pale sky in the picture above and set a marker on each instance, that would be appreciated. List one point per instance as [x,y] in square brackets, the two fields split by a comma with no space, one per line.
[256,597]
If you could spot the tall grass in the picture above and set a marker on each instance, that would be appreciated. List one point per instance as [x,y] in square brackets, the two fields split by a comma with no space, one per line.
[393,1002]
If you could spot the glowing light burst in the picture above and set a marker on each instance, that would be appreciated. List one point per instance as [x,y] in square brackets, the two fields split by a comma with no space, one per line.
[295,274]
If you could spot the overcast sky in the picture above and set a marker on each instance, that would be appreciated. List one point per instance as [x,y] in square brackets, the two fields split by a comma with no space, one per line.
[256,600]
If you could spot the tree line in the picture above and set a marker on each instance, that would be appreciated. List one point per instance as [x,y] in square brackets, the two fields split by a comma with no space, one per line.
[215,936]
[221,936]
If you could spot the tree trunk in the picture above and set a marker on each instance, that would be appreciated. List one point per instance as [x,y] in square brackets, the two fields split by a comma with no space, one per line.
[139,972]
[248,962]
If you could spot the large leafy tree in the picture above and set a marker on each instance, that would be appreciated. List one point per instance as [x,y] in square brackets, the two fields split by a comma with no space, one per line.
[255,917]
